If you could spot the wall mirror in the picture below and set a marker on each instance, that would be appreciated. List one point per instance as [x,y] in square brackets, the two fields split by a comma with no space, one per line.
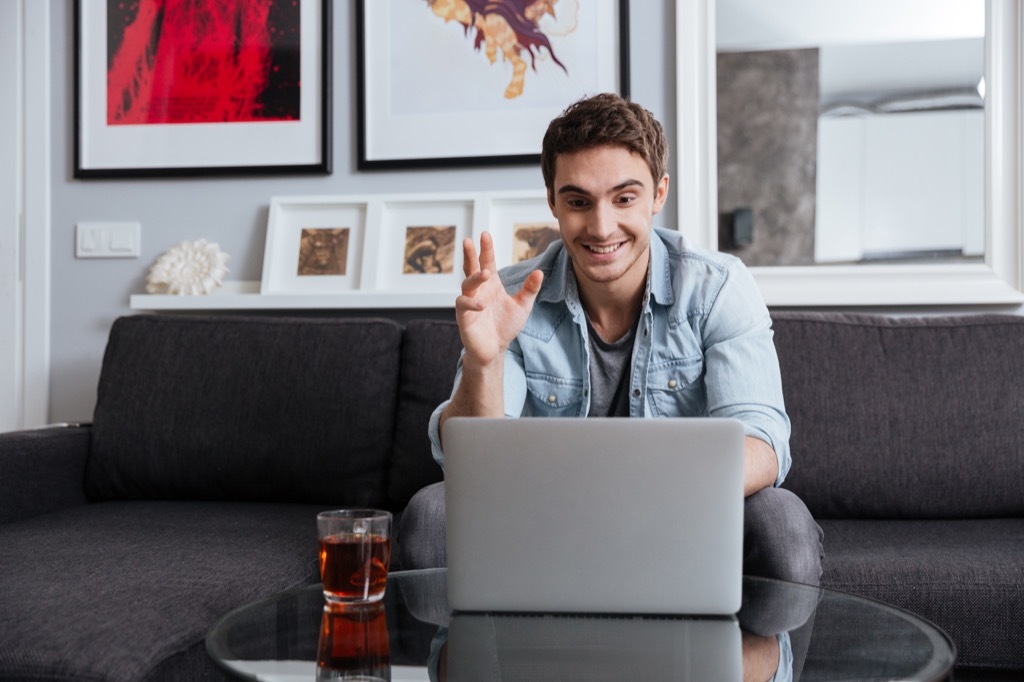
[855,153]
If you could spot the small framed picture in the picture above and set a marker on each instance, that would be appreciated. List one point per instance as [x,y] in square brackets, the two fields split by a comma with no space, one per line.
[314,245]
[520,223]
[429,250]
[418,244]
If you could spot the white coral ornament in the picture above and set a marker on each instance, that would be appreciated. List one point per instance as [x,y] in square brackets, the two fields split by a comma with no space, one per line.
[190,268]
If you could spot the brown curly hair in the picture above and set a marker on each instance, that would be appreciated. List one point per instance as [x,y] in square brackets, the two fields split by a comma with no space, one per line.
[605,119]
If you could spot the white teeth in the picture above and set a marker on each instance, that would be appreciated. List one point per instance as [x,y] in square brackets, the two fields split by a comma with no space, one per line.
[603,249]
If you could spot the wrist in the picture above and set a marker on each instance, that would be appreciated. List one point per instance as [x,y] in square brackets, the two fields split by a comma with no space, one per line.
[483,366]
[480,392]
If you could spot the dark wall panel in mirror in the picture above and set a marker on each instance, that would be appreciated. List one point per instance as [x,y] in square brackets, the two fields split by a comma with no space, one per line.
[767,155]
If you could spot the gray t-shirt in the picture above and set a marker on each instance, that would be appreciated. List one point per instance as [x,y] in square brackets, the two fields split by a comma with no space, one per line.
[609,373]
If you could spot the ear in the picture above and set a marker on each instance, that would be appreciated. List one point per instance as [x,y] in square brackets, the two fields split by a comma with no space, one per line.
[550,191]
[660,194]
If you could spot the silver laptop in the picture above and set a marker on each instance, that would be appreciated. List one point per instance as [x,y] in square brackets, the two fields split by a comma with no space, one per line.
[594,515]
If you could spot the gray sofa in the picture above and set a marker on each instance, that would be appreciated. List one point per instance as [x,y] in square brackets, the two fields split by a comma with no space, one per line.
[216,439]
[908,447]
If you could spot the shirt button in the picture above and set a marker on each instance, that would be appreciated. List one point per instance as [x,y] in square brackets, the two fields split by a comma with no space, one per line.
[636,392]
[552,399]
[672,383]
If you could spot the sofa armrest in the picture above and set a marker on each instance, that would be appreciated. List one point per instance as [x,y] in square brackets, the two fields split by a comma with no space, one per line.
[42,470]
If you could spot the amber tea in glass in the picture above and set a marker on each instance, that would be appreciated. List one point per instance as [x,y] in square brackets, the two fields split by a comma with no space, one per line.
[355,551]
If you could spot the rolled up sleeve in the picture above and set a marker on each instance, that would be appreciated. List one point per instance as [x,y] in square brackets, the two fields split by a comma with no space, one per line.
[742,368]
[513,386]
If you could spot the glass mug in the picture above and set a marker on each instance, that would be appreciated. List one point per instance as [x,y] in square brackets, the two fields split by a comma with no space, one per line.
[355,551]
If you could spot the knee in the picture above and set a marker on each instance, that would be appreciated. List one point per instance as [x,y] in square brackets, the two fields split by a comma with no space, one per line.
[781,538]
[421,532]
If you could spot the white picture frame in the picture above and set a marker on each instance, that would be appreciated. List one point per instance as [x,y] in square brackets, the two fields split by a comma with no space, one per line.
[293,262]
[507,214]
[431,224]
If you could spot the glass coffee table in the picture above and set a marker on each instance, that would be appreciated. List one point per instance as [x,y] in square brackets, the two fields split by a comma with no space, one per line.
[784,631]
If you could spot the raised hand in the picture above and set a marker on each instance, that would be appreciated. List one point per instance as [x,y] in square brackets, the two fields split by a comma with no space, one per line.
[489,317]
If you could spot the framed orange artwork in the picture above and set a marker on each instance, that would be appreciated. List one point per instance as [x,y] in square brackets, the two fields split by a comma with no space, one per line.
[476,82]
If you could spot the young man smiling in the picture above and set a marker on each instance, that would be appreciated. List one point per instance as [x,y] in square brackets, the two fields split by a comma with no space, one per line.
[623,319]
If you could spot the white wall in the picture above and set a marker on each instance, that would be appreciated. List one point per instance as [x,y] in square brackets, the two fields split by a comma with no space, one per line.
[10,203]
[87,295]
[899,183]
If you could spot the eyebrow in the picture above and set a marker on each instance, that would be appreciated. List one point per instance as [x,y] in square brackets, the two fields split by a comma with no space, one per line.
[573,189]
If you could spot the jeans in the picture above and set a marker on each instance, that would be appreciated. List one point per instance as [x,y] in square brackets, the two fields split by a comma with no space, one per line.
[780,538]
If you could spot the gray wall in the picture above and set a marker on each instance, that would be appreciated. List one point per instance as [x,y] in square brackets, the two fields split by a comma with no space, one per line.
[767,152]
[87,295]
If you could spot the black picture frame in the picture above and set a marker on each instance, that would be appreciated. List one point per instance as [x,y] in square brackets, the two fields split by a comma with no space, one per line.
[470,142]
[110,144]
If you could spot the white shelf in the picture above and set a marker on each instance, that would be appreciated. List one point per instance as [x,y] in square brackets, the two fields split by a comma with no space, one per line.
[246,296]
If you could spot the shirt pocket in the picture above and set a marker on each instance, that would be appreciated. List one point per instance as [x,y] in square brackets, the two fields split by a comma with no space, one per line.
[676,388]
[551,396]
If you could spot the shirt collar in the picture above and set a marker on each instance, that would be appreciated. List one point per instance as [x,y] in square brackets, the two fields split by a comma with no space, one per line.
[659,277]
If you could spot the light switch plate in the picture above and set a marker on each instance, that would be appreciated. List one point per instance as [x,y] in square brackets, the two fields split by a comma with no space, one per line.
[107,240]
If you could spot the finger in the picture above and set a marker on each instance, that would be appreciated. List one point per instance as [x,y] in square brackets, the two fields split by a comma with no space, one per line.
[487,252]
[470,264]
[531,287]
[473,282]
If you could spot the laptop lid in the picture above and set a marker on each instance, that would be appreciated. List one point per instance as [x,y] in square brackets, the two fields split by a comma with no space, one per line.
[594,515]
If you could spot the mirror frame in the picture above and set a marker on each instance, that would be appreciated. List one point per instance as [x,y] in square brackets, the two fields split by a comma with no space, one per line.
[997,280]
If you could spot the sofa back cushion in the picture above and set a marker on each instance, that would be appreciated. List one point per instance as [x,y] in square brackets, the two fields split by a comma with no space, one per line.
[234,408]
[430,352]
[897,417]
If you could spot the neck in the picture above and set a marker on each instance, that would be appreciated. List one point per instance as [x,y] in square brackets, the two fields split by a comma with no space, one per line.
[612,315]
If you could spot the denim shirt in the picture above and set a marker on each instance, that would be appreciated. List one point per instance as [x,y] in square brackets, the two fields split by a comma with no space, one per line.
[703,346]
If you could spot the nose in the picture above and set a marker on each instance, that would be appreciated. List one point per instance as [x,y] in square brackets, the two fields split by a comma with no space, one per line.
[603,224]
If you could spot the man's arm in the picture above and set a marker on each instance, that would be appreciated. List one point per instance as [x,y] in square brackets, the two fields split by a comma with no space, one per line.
[489,319]
[761,657]
[760,466]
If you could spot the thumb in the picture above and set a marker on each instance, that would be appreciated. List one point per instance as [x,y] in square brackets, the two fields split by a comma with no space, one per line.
[531,287]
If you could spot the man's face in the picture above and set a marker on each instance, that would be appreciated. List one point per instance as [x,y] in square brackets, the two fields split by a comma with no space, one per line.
[604,200]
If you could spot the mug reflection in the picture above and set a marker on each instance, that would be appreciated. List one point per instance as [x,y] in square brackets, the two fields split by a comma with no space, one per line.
[353,643]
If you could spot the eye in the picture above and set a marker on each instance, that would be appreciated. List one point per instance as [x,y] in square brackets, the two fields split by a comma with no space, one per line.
[576,202]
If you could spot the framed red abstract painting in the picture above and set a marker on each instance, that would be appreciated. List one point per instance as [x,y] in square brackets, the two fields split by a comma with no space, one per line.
[193,87]
[476,82]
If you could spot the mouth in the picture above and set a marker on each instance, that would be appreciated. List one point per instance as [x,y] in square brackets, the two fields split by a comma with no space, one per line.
[603,249]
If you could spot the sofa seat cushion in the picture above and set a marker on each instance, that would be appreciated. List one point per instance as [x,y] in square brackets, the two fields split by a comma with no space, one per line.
[254,409]
[117,590]
[965,576]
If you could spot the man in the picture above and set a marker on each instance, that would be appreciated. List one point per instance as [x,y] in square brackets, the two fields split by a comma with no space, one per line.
[621,319]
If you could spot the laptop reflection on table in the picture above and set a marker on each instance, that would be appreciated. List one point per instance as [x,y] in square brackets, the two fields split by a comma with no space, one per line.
[562,647]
